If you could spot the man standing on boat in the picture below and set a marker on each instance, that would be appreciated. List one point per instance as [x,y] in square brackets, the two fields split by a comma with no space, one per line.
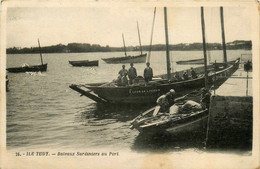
[122,74]
[148,73]
[132,73]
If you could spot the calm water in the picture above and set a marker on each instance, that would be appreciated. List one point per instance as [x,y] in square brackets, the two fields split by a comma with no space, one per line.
[43,112]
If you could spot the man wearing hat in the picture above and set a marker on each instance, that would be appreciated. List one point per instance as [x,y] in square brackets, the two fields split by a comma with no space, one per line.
[131,73]
[122,74]
[166,100]
[148,73]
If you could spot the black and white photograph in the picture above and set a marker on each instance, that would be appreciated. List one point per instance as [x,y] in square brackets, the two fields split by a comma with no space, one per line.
[129,84]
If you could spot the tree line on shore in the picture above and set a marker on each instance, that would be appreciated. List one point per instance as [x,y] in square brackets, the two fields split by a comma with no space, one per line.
[86,47]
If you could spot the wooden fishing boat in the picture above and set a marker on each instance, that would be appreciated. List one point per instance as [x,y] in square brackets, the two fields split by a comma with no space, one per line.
[84,63]
[27,68]
[140,93]
[169,122]
[126,59]
[191,62]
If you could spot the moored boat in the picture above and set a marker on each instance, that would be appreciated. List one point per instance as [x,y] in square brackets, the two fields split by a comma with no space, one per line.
[175,121]
[191,62]
[126,59]
[27,68]
[143,93]
[84,63]
[139,93]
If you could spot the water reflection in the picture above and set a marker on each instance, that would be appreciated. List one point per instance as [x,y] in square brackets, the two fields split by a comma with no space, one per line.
[165,142]
[121,113]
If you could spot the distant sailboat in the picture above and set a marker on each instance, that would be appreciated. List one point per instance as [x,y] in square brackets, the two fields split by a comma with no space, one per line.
[27,68]
[127,58]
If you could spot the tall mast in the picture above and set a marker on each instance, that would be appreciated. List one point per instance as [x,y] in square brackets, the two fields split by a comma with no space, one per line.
[204,47]
[151,41]
[167,44]
[40,50]
[223,35]
[139,39]
[124,44]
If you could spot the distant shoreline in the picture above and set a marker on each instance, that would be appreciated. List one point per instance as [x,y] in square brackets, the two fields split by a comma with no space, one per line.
[88,48]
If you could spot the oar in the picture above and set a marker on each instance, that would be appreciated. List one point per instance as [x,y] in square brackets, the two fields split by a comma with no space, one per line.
[156,110]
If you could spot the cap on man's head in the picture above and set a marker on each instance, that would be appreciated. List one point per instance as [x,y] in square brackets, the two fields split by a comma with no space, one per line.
[123,65]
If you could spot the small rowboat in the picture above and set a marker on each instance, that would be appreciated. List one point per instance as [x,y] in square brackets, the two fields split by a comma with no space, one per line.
[84,63]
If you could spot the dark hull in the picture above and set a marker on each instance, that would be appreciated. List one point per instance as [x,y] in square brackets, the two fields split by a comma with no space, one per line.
[36,68]
[191,62]
[84,63]
[141,94]
[170,124]
[126,59]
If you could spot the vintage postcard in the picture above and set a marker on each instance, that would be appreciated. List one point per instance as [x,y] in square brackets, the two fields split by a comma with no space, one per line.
[127,84]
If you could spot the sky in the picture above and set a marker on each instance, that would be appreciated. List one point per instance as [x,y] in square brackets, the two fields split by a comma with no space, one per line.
[105,25]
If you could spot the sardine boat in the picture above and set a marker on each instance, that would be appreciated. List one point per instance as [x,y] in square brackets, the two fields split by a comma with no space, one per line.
[171,121]
[126,59]
[84,63]
[139,93]
[191,62]
[27,68]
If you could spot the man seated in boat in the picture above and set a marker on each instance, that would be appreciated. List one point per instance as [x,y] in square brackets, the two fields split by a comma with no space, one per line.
[166,100]
[185,76]
[132,73]
[122,75]
[193,73]
[176,77]
[148,73]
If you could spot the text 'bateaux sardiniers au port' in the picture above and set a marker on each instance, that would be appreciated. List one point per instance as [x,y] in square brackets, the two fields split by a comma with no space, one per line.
[63,154]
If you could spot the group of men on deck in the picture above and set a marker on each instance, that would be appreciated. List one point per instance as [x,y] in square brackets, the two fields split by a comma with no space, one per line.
[185,75]
[132,74]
